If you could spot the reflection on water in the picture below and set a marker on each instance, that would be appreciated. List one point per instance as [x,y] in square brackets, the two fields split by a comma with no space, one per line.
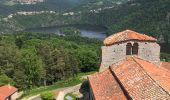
[93,34]
[90,31]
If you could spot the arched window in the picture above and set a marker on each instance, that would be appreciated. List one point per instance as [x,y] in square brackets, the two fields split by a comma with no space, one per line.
[135,49]
[129,49]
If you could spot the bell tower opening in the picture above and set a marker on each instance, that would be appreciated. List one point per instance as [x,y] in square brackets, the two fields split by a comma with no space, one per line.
[129,49]
[135,49]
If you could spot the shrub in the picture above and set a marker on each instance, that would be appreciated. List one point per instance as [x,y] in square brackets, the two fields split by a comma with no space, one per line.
[47,96]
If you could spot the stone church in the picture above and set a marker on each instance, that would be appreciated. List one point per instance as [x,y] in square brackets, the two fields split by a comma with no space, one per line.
[131,69]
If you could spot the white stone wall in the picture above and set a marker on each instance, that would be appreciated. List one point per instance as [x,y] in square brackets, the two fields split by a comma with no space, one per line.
[146,50]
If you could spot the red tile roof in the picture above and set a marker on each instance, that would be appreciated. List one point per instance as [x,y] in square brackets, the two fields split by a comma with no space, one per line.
[6,91]
[125,36]
[105,87]
[165,65]
[135,76]
[160,74]
[140,79]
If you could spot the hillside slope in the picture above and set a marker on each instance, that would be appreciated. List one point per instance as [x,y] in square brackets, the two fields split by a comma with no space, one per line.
[8,7]
[151,17]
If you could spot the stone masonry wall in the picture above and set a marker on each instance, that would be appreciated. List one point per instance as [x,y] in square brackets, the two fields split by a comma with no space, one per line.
[147,50]
[111,54]
[14,96]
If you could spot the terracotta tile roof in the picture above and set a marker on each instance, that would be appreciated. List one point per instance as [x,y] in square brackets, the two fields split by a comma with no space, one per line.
[160,74]
[2,97]
[134,76]
[141,80]
[125,36]
[6,91]
[105,87]
[165,65]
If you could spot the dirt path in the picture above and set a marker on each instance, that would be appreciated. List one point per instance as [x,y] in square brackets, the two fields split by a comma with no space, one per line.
[58,92]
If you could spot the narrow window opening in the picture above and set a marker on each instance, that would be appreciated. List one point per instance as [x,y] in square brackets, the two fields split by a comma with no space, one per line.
[135,49]
[129,49]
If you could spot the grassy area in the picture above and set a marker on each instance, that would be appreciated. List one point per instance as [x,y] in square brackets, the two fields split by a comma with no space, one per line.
[61,84]
[71,95]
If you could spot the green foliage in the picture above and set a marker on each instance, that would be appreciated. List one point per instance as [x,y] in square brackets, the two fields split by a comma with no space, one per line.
[32,67]
[47,96]
[32,60]
[19,42]
[4,80]
[165,57]
[87,60]
[60,84]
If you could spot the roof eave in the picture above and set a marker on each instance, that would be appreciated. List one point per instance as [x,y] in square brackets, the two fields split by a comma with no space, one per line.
[109,44]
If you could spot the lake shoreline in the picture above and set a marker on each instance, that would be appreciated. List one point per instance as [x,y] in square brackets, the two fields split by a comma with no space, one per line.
[90,31]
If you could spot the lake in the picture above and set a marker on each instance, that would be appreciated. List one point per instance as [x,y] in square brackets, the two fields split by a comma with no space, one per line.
[90,31]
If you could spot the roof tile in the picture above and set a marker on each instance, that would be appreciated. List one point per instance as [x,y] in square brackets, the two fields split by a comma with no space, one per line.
[125,36]
[137,82]
[140,79]
[105,87]
[6,91]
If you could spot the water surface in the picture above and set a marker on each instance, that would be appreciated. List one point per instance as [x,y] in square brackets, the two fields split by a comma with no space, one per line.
[90,31]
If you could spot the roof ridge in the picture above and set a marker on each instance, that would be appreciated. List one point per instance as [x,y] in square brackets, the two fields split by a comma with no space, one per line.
[108,71]
[125,92]
[146,61]
[150,76]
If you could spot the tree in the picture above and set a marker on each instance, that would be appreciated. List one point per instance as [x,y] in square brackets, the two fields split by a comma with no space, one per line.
[88,60]
[4,80]
[33,68]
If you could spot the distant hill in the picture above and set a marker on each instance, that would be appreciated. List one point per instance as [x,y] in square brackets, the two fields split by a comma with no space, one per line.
[10,6]
[151,17]
[98,4]
[146,16]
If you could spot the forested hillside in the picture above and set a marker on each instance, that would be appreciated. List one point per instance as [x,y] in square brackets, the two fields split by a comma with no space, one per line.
[29,60]
[151,17]
[55,5]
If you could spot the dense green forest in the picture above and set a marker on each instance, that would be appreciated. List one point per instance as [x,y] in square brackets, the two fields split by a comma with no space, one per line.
[29,60]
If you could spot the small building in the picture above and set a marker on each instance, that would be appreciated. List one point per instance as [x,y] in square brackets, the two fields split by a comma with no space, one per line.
[131,69]
[8,92]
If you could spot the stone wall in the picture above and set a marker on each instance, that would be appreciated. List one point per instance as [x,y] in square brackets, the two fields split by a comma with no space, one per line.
[149,51]
[14,96]
[111,54]
[146,50]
